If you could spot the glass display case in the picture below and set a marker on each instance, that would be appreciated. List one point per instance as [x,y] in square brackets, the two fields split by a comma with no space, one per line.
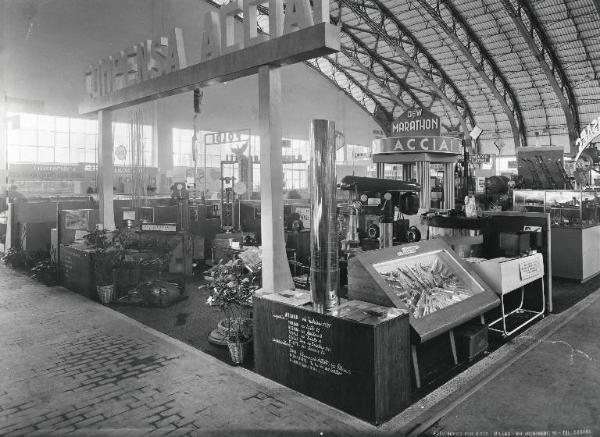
[429,282]
[567,208]
[428,279]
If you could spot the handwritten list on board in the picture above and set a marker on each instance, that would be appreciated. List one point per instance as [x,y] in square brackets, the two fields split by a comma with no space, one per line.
[309,343]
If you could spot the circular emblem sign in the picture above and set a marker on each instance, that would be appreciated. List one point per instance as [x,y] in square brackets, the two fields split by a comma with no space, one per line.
[121,152]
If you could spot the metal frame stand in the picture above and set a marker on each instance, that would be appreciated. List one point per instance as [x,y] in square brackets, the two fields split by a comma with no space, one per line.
[534,315]
[415,360]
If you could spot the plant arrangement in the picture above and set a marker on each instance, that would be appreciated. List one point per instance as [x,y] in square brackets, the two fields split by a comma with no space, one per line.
[109,253]
[15,258]
[45,271]
[232,286]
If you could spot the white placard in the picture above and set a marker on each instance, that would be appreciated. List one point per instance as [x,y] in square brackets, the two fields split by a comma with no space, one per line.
[530,267]
[168,227]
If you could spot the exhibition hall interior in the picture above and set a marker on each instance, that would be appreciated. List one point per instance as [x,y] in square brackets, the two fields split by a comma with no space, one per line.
[299,217]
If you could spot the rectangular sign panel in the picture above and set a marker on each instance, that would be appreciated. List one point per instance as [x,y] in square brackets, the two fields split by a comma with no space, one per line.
[166,227]
[417,121]
[226,137]
[437,144]
[480,158]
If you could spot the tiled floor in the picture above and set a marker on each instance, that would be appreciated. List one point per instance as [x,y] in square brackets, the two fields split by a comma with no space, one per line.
[69,365]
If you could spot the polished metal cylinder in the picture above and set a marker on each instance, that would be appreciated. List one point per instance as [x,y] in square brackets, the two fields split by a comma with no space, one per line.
[324,269]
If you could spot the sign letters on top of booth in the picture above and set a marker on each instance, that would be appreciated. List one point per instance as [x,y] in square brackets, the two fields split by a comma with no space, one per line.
[417,122]
[151,59]
[449,145]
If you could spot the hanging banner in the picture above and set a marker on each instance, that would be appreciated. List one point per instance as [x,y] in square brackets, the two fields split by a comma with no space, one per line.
[437,144]
[417,122]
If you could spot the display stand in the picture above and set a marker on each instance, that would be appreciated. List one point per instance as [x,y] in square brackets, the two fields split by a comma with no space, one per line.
[506,276]
[446,292]
[512,221]
[355,358]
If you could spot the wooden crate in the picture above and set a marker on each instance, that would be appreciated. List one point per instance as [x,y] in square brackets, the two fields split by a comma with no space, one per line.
[351,359]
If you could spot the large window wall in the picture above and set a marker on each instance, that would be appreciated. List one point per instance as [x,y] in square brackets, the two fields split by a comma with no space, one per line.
[295,152]
[44,138]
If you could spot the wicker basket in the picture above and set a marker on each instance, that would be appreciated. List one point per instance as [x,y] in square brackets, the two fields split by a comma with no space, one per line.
[106,293]
[238,351]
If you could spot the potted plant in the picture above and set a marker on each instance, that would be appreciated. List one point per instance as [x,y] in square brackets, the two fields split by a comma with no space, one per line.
[108,254]
[232,285]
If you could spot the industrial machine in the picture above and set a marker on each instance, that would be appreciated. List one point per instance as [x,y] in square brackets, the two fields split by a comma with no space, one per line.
[373,217]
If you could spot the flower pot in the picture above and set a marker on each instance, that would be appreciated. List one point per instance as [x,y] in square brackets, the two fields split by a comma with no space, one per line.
[106,293]
[218,336]
[239,350]
[223,325]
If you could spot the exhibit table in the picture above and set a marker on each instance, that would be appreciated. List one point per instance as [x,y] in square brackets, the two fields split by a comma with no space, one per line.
[428,280]
[575,222]
[355,358]
[506,275]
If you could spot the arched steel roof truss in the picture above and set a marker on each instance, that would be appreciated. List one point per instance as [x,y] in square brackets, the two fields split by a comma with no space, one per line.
[532,33]
[351,55]
[463,37]
[381,115]
[427,74]
[390,75]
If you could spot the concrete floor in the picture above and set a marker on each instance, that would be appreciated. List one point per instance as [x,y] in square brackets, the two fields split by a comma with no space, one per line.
[71,366]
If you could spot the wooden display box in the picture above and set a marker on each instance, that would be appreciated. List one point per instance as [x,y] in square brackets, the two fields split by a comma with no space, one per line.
[504,275]
[365,282]
[471,341]
[77,270]
[356,358]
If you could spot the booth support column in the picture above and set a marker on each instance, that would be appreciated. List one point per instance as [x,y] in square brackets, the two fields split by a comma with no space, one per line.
[424,178]
[105,169]
[449,198]
[276,274]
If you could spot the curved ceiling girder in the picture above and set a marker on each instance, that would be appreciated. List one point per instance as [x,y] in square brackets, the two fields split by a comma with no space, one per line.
[390,74]
[359,9]
[381,115]
[536,40]
[372,76]
[485,66]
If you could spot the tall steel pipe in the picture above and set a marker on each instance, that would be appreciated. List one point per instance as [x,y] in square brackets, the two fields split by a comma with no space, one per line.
[324,269]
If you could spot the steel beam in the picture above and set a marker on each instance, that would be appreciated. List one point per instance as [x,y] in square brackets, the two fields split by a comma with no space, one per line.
[377,59]
[381,115]
[504,95]
[531,31]
[369,73]
[359,8]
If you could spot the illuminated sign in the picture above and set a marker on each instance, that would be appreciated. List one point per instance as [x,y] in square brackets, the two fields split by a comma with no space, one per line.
[437,144]
[417,122]
[153,58]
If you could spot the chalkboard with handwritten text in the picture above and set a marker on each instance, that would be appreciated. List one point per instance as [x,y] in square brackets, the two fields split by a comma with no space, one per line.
[357,361]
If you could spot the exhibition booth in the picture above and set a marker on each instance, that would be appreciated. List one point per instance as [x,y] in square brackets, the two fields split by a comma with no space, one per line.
[352,292]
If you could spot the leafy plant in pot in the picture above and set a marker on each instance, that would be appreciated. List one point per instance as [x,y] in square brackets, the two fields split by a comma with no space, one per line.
[109,254]
[232,286]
